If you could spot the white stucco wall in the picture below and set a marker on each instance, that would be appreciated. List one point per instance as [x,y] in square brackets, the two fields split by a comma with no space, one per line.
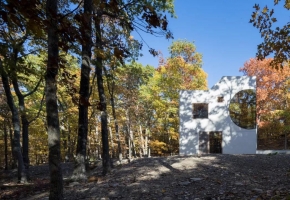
[235,140]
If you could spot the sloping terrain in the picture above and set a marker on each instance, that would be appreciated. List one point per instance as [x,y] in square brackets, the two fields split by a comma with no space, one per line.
[169,178]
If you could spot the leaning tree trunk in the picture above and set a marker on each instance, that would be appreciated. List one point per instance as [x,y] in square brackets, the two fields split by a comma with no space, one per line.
[103,104]
[25,124]
[24,120]
[21,97]
[52,118]
[22,176]
[111,92]
[86,30]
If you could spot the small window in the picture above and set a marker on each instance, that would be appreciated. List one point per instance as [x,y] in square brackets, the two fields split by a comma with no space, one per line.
[220,99]
[200,110]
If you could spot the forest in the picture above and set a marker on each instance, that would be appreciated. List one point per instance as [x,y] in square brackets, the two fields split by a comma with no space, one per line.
[72,89]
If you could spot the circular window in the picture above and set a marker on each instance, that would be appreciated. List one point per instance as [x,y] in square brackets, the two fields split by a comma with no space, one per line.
[243,109]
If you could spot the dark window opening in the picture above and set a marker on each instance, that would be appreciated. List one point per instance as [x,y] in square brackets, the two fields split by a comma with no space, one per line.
[200,110]
[220,99]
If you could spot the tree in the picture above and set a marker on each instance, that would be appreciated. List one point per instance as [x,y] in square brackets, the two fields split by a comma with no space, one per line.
[181,71]
[276,39]
[111,85]
[14,32]
[52,118]
[270,83]
[25,123]
[114,21]
[101,92]
[86,31]
[22,176]
[271,94]
[129,80]
[17,68]
[4,118]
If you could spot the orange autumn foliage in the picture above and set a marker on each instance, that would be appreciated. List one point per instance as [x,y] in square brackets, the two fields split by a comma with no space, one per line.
[271,83]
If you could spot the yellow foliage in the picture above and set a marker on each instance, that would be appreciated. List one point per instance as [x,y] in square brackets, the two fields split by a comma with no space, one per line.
[158,146]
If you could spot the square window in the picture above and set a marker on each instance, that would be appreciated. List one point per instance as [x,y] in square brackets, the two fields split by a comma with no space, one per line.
[220,99]
[200,110]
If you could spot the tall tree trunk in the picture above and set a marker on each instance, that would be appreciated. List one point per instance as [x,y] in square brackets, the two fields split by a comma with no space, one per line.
[112,142]
[111,138]
[5,144]
[52,118]
[146,142]
[22,176]
[131,144]
[103,107]
[21,97]
[86,30]
[128,130]
[112,101]
[13,159]
[120,155]
[25,124]
[97,141]
[142,147]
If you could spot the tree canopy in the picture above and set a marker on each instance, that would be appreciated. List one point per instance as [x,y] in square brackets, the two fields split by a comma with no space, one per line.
[276,39]
[272,96]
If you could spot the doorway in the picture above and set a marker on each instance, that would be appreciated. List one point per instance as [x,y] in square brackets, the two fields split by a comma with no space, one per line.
[215,142]
[210,142]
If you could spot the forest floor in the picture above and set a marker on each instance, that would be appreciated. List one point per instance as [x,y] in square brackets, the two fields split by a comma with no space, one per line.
[166,178]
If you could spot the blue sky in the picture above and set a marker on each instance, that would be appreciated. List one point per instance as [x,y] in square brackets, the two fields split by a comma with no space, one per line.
[220,30]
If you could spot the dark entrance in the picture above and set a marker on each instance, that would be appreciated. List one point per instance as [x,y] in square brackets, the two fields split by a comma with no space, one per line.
[215,141]
[210,142]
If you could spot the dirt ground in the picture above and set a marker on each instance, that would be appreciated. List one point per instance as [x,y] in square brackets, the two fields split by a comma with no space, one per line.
[167,178]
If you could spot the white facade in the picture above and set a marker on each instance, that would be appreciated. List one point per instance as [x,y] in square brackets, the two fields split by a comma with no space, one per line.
[235,140]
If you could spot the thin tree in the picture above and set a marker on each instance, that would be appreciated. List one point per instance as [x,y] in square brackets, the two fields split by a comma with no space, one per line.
[102,97]
[111,88]
[22,175]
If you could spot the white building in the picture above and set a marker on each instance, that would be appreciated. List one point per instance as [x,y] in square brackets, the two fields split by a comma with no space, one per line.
[219,120]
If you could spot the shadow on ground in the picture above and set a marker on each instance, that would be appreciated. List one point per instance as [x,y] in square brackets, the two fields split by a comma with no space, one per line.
[179,177]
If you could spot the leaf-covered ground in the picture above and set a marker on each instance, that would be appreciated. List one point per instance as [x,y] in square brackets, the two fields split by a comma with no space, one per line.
[167,178]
